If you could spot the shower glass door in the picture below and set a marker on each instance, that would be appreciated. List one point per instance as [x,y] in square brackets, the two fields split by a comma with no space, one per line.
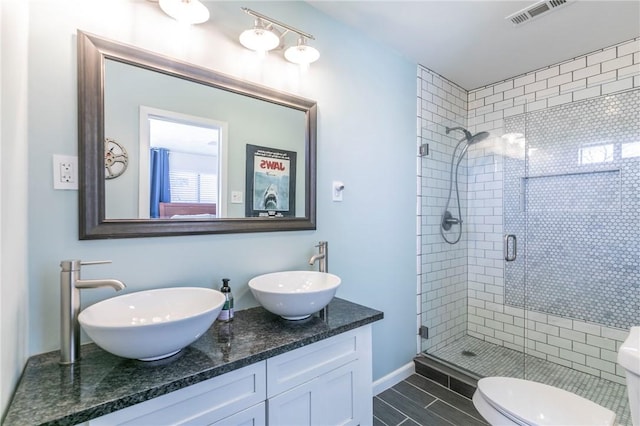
[574,206]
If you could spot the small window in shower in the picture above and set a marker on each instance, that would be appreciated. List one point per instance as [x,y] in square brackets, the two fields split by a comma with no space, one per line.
[595,154]
[630,149]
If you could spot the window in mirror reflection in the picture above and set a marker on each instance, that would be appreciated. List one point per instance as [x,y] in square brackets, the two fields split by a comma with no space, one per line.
[181,166]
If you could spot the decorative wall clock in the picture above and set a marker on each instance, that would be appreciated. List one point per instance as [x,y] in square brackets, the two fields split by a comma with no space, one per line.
[116,159]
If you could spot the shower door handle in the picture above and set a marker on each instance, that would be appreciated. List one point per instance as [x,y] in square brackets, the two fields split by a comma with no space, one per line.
[514,253]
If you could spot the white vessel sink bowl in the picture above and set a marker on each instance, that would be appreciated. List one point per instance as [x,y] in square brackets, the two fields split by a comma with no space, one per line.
[294,295]
[151,324]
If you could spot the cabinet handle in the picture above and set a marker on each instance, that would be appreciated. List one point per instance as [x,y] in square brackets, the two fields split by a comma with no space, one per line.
[507,238]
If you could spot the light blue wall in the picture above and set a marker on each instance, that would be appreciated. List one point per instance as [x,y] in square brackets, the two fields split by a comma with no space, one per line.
[366,138]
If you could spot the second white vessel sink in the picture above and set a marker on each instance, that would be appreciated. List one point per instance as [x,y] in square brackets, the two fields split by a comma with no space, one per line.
[294,295]
[151,324]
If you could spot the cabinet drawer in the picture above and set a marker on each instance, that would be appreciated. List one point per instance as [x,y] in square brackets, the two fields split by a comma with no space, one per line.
[203,403]
[252,416]
[296,367]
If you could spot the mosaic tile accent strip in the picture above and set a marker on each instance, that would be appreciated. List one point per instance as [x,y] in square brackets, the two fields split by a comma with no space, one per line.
[494,360]
[581,238]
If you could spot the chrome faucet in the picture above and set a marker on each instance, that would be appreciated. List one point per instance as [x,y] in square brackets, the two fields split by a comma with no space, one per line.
[322,257]
[70,285]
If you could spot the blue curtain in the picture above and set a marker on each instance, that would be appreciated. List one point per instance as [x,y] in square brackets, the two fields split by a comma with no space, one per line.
[159,180]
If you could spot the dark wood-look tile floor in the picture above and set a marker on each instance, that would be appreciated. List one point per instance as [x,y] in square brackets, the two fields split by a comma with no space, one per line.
[420,401]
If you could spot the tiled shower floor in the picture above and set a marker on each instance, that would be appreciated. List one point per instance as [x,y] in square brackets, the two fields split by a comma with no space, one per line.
[494,360]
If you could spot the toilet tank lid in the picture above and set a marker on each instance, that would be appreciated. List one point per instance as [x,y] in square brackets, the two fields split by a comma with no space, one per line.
[533,403]
[629,353]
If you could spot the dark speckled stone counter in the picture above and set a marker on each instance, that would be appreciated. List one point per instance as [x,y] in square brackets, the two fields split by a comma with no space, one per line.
[101,383]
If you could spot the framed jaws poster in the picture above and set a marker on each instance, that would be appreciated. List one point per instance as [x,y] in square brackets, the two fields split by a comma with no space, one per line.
[271,182]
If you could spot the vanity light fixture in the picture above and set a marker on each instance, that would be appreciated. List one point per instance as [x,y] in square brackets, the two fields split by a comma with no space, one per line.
[260,38]
[185,11]
[264,37]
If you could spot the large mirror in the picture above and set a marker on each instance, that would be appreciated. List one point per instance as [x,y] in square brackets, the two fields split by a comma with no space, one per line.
[169,148]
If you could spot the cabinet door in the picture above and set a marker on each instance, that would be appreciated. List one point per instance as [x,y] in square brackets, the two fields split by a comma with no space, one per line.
[326,400]
[252,416]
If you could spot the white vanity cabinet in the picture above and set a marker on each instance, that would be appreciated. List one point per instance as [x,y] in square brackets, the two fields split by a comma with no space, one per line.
[229,396]
[327,383]
[324,383]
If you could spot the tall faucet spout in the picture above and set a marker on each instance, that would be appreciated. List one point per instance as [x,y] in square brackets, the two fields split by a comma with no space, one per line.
[315,257]
[117,285]
[70,285]
[322,257]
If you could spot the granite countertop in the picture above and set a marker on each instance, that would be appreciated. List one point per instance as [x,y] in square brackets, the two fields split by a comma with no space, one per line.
[100,383]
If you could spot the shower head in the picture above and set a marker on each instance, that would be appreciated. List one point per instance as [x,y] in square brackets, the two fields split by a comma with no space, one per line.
[471,139]
[463,130]
[477,137]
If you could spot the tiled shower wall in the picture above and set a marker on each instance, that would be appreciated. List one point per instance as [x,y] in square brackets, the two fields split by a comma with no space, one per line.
[583,345]
[442,268]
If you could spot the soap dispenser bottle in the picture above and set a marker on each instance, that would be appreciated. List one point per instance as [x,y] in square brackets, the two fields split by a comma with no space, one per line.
[226,314]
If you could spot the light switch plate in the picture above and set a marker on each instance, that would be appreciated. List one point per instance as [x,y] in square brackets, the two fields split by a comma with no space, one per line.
[236,197]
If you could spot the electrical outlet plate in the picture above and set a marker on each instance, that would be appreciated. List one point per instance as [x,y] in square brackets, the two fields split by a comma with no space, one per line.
[65,172]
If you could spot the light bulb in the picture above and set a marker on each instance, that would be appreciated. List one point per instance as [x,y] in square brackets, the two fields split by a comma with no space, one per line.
[259,38]
[301,54]
[185,11]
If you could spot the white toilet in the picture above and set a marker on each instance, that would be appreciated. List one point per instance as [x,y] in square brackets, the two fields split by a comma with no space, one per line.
[510,401]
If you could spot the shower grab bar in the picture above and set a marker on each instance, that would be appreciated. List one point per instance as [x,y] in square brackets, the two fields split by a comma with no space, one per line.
[513,238]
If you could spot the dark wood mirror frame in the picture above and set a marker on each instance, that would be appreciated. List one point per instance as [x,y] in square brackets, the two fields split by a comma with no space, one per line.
[92,52]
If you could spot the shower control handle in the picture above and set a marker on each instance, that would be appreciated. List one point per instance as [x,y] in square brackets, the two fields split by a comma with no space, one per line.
[514,253]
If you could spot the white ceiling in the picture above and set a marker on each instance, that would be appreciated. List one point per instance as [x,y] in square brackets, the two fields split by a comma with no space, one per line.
[470,42]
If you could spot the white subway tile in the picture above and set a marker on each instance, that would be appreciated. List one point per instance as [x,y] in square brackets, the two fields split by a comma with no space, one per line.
[536,336]
[617,86]
[586,349]
[620,62]
[601,78]
[573,86]
[559,342]
[599,57]
[483,93]
[514,111]
[576,336]
[573,65]
[629,71]
[586,72]
[518,91]
[537,316]
[494,98]
[628,48]
[547,329]
[534,87]
[548,73]
[505,337]
[524,80]
[547,349]
[537,105]
[559,321]
[611,356]
[573,356]
[588,328]
[601,342]
[560,100]
[547,93]
[615,334]
[591,92]
[560,80]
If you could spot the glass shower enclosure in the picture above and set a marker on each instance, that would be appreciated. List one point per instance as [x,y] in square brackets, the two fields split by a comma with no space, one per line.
[545,281]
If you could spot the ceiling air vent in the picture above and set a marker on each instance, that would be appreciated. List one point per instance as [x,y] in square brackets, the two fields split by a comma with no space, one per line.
[536,10]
